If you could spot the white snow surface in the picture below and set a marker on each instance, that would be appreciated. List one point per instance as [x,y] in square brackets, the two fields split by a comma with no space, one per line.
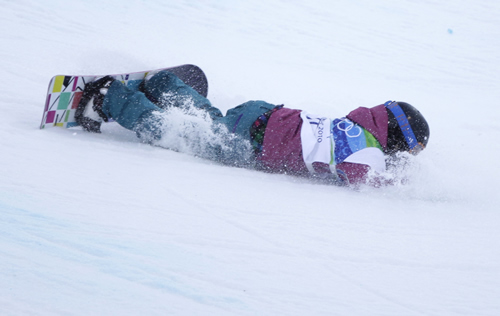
[102,224]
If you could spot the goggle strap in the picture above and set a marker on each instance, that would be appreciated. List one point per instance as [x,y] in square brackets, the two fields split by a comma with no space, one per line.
[404,125]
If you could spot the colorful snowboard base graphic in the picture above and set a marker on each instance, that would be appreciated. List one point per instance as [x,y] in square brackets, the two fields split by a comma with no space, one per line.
[64,92]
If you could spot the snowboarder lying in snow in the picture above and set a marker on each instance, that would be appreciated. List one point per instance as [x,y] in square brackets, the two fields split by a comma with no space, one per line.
[349,150]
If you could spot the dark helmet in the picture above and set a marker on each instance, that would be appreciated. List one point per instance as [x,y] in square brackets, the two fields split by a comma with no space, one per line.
[408,130]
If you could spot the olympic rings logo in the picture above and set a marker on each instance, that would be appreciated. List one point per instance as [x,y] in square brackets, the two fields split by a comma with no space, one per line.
[349,126]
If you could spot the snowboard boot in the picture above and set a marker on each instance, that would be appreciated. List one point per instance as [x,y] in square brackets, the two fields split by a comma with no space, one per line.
[89,112]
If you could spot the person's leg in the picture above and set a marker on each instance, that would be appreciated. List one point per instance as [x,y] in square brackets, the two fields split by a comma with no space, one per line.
[166,90]
[132,110]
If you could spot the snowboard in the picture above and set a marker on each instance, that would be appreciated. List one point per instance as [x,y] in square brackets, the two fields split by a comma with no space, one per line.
[64,92]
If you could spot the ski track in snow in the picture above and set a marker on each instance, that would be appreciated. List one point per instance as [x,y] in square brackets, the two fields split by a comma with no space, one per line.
[105,225]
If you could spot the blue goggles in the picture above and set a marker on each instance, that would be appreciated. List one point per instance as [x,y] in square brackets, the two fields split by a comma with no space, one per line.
[404,125]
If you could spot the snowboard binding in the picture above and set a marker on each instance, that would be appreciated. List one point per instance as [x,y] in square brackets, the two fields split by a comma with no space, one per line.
[89,112]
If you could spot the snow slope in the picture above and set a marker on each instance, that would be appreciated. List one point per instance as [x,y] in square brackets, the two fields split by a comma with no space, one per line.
[106,225]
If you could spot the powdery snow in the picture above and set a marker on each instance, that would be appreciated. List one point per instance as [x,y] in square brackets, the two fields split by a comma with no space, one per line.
[105,225]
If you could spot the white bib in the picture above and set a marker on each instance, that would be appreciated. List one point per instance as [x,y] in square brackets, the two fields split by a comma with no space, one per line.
[318,144]
[317,141]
